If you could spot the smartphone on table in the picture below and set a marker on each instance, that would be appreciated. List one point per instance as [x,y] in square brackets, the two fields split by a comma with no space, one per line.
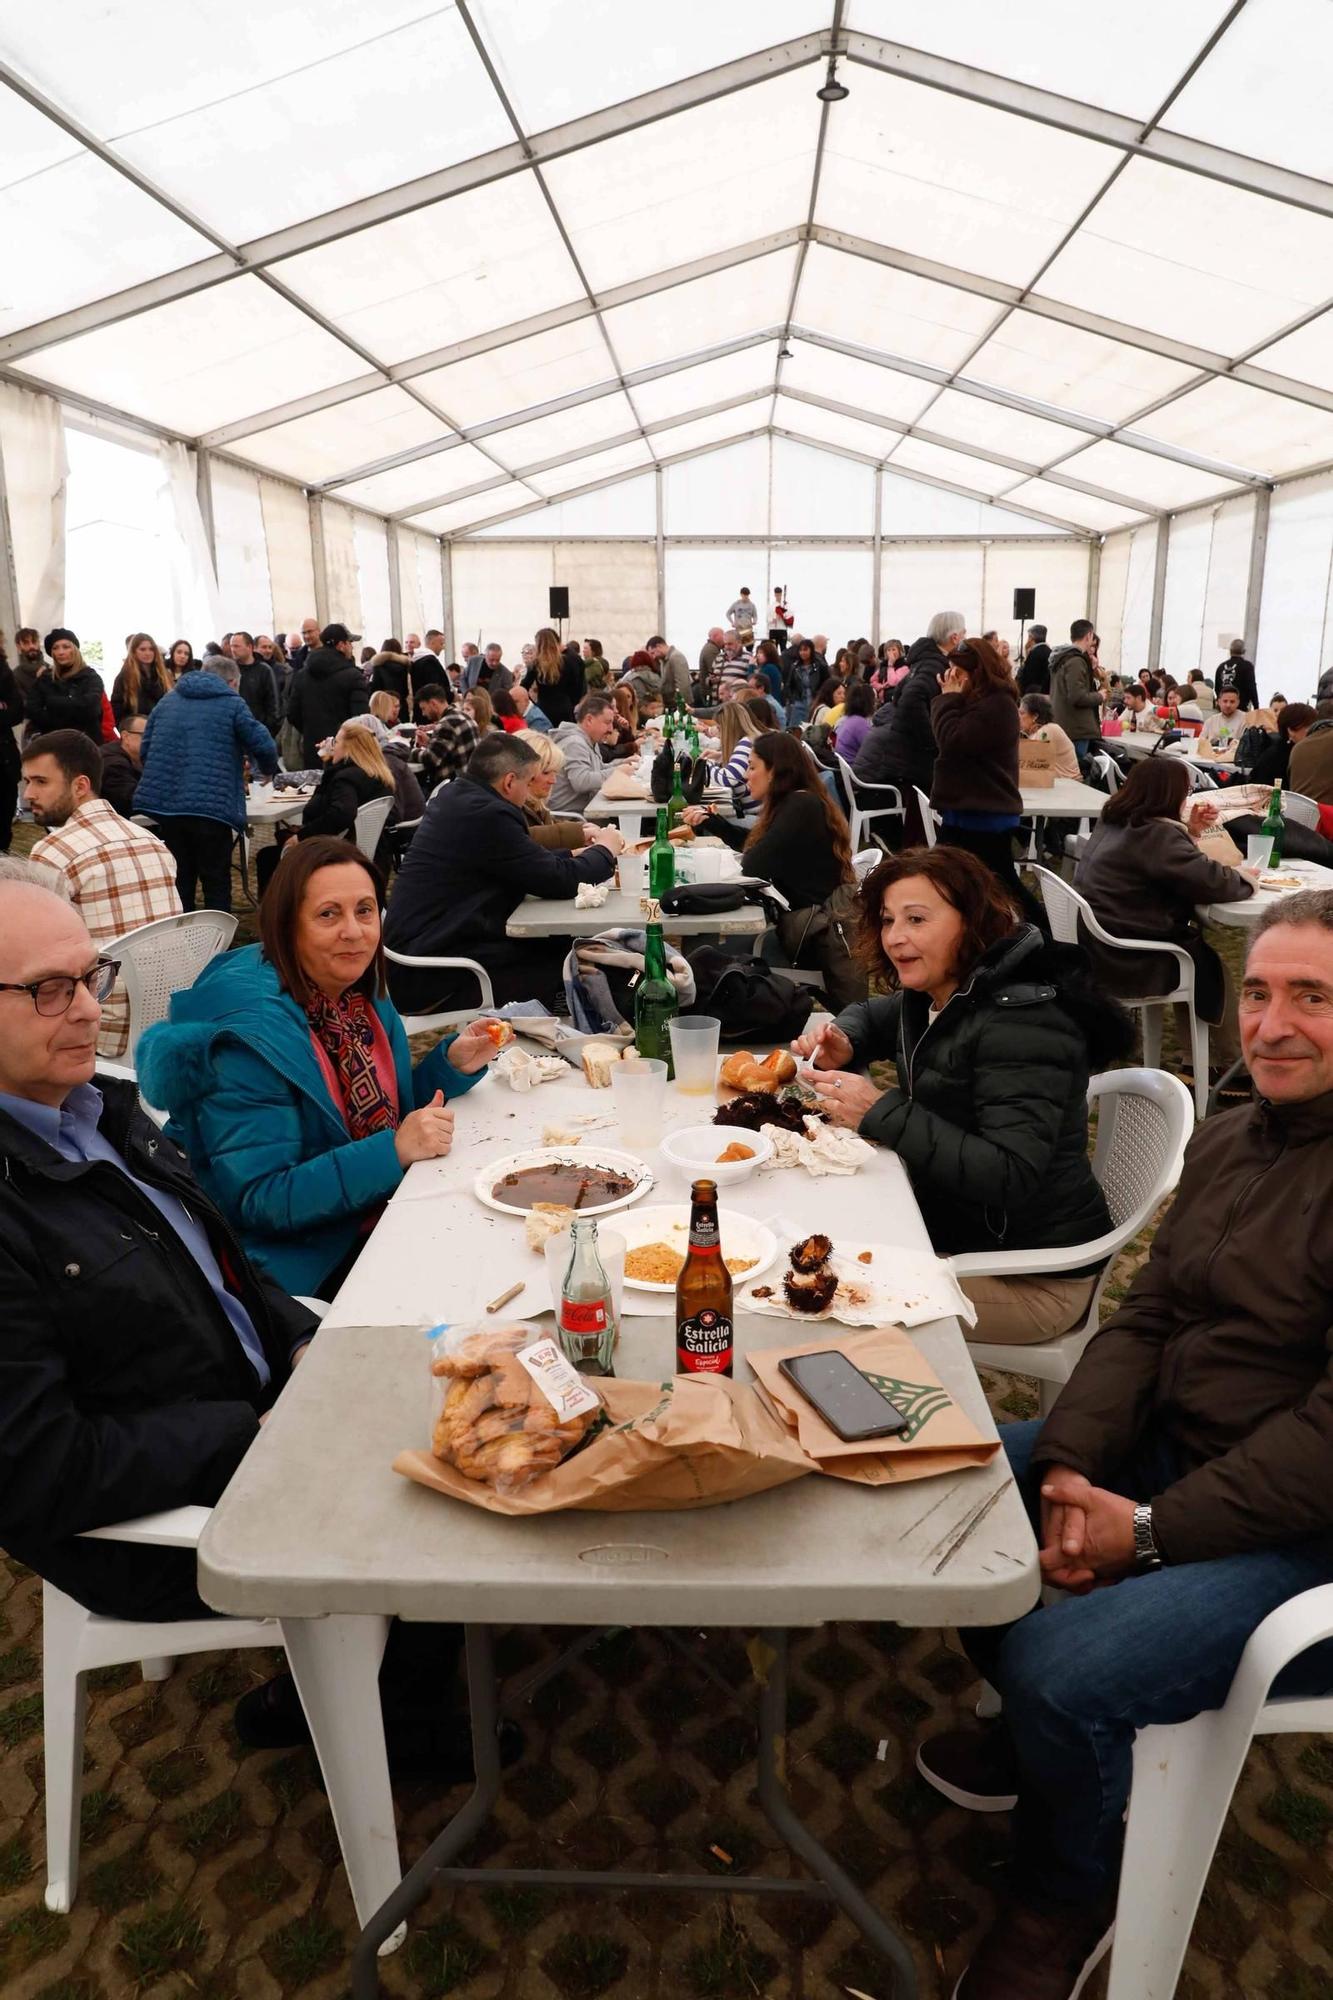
[848,1401]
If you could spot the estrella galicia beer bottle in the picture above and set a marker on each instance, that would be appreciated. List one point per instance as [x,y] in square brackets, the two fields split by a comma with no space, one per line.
[703,1293]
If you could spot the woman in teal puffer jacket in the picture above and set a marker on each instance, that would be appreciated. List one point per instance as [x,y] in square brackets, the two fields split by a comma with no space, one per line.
[287,1078]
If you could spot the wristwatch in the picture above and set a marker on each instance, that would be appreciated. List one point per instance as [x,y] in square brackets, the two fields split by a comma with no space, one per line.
[1147,1555]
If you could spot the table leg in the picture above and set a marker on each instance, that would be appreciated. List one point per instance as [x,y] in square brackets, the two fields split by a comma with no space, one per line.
[335,1663]
[778,1807]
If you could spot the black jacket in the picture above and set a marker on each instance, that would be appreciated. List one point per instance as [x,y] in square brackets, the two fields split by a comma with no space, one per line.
[989,1114]
[123,1386]
[11,715]
[1034,676]
[259,692]
[392,672]
[471,863]
[795,854]
[328,689]
[902,752]
[150,694]
[559,699]
[75,703]
[1237,674]
[342,790]
[120,778]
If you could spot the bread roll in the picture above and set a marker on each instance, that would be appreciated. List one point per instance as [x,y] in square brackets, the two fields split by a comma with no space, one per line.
[734,1068]
[598,1060]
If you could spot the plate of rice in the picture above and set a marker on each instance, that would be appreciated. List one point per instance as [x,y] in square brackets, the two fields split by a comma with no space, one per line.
[657,1238]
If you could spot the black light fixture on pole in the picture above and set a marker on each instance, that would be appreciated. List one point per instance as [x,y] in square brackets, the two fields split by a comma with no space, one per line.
[831,91]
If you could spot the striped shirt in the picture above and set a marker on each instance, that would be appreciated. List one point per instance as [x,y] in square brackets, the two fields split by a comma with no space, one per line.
[120,876]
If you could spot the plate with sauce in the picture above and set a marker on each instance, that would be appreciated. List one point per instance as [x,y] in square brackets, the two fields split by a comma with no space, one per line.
[591,1183]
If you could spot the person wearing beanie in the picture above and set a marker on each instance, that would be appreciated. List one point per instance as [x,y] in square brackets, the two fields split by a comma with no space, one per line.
[68,693]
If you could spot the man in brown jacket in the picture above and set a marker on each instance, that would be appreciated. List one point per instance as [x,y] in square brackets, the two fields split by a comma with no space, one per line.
[1311,768]
[1189,1464]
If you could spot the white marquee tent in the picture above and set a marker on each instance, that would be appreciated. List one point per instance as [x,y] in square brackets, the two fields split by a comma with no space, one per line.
[425,307]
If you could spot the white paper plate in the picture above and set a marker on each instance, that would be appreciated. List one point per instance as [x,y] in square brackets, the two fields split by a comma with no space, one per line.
[897,1287]
[574,1156]
[669,1222]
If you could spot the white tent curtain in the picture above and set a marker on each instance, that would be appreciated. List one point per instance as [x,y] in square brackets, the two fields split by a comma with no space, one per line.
[32,452]
[370,537]
[291,565]
[243,571]
[195,603]
[340,565]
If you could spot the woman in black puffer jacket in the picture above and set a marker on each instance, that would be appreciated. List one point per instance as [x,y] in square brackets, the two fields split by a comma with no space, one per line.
[994,1031]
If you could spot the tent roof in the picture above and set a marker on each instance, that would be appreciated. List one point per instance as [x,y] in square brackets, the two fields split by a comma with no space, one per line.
[451,261]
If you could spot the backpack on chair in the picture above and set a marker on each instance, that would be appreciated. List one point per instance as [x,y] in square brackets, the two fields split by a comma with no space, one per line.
[752,1002]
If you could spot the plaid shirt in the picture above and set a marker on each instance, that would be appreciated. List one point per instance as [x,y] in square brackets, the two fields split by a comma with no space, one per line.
[452,742]
[120,876]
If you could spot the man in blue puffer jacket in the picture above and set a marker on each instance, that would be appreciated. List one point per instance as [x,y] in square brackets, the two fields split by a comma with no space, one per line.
[193,782]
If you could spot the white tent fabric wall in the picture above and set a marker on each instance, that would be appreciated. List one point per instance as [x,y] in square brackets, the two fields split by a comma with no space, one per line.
[1188,547]
[1123,613]
[195,606]
[370,539]
[702,583]
[418,557]
[815,493]
[720,493]
[1228,578]
[830,590]
[1208,558]
[32,453]
[290,564]
[244,587]
[1058,574]
[917,582]
[629,508]
[501,592]
[1296,624]
[1109,610]
[340,566]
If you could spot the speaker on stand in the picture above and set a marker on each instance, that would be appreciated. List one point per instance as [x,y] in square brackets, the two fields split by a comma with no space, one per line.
[1025,607]
[559,611]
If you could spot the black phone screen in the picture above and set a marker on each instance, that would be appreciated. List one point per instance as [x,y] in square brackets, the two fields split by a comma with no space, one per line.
[848,1401]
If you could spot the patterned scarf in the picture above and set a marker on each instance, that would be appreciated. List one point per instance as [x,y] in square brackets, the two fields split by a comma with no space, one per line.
[345,1030]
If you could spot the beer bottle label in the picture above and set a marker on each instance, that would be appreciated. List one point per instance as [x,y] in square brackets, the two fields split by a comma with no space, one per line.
[703,1344]
[703,1230]
[583,1315]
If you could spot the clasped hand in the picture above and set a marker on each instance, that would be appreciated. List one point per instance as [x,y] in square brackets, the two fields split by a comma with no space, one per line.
[1087,1534]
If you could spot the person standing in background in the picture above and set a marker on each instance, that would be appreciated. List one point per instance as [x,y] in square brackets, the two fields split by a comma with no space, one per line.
[142,681]
[29,661]
[1076,694]
[11,721]
[259,690]
[1236,674]
[1034,676]
[780,619]
[740,615]
[68,693]
[122,765]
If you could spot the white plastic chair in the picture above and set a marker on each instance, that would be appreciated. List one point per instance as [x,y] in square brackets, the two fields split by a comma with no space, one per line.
[418,1024]
[868,858]
[930,819]
[370,820]
[1144,1118]
[1184,1776]
[163,958]
[1301,810]
[75,1641]
[859,816]
[1069,912]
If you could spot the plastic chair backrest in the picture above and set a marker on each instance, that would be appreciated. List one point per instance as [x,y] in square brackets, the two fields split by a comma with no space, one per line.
[928,822]
[1064,906]
[867,859]
[1144,1118]
[1303,811]
[163,958]
[370,820]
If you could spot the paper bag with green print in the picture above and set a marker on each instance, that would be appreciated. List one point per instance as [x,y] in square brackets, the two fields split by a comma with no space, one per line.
[939,1436]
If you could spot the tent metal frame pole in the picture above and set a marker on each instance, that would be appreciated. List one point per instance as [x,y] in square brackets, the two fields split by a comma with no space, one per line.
[1161,555]
[1094,580]
[203,484]
[877,548]
[11,614]
[395,585]
[1254,582]
[447,597]
[659,546]
[319,558]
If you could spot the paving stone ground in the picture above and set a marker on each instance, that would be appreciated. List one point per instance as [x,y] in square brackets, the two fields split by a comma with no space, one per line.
[209,1873]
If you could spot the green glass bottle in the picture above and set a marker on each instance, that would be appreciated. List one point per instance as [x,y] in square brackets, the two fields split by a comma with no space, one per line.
[676,803]
[661,860]
[1275,824]
[655,1002]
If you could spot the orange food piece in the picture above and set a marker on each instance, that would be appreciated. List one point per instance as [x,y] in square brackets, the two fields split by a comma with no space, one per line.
[735,1151]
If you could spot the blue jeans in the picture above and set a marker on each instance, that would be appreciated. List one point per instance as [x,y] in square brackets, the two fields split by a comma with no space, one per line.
[1080,1676]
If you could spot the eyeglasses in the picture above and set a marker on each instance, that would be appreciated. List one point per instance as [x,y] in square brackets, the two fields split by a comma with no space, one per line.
[55,995]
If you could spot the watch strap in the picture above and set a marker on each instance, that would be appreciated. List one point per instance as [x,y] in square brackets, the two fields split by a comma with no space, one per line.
[1147,1555]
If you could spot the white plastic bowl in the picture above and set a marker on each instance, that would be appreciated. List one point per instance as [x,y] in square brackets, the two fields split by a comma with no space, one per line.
[695,1148]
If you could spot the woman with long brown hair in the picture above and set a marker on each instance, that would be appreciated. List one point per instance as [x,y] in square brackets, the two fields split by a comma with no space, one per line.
[556,678]
[142,681]
[799,843]
[628,723]
[975,787]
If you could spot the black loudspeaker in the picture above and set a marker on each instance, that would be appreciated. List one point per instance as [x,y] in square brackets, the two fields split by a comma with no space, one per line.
[1025,604]
[560,600]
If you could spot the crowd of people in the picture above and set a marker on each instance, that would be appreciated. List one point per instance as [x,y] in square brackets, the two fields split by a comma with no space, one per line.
[1185,1463]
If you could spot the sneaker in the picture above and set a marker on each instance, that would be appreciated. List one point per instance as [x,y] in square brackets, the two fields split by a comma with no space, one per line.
[1032,1954]
[974,1768]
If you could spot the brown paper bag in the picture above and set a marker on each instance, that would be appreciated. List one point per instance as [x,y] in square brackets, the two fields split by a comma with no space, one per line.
[620,783]
[939,1436]
[691,1441]
[1036,762]
[1218,845]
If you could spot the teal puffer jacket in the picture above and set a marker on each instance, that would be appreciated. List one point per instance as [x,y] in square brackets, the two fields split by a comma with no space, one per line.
[235,1069]
[990,1114]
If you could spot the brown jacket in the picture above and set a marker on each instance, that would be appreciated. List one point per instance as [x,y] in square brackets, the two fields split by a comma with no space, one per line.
[1311,768]
[976,768]
[1146,882]
[1225,1344]
[564,835]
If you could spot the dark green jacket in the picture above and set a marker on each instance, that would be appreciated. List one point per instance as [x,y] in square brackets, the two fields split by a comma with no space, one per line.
[989,1115]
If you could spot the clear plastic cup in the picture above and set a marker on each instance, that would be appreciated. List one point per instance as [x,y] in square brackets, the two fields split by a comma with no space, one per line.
[1258,851]
[694,1039]
[638,1092]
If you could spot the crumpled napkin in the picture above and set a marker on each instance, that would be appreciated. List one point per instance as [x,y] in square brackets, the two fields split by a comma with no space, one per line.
[591,895]
[822,1149]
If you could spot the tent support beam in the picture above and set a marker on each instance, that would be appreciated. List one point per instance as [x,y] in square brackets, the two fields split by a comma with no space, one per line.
[447,597]
[659,540]
[877,547]
[1094,581]
[1254,583]
[395,586]
[1160,552]
[203,481]
[319,559]
[11,612]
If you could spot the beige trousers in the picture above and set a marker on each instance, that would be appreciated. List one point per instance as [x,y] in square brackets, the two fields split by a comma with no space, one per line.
[1018,1312]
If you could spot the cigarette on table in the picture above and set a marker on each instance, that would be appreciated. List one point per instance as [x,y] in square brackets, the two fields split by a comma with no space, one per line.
[505,1297]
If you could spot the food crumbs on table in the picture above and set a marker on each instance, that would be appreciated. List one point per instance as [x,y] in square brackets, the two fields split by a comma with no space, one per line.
[865,1257]
[761,1292]
[722,1855]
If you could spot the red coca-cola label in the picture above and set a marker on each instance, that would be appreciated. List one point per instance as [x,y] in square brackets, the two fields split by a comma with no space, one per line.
[704,1344]
[583,1315]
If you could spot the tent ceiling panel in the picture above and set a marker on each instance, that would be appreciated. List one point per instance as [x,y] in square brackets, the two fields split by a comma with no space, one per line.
[1246,426]
[1082,371]
[1128,57]
[1102,516]
[973,421]
[832,427]
[556,63]
[422,480]
[691,184]
[1306,353]
[201,361]
[258,150]
[701,432]
[915,455]
[1154,482]
[1195,260]
[515,377]
[1275,60]
[953,180]
[447,520]
[565,430]
[874,306]
[711,382]
[441,274]
[723,306]
[33,144]
[594,465]
[847,380]
[321,446]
